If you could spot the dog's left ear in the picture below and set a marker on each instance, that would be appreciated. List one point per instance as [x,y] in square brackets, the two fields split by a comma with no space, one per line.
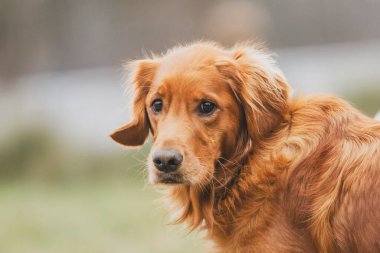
[134,133]
[258,85]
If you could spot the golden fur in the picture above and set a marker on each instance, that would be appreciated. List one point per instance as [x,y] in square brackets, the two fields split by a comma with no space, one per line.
[263,173]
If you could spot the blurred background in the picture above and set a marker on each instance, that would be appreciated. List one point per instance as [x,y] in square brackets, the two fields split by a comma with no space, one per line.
[64,186]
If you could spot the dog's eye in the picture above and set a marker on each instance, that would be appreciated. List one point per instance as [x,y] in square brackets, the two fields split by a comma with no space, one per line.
[157,105]
[206,108]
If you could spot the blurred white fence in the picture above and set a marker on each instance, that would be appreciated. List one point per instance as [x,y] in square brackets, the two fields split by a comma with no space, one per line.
[377,116]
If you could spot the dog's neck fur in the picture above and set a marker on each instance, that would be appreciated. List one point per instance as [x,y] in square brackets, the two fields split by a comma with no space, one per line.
[250,175]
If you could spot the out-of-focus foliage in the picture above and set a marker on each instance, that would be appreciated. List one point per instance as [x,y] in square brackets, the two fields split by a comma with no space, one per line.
[36,154]
[56,199]
[368,100]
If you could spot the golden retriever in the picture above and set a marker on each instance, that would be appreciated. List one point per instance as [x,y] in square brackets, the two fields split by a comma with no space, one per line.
[259,171]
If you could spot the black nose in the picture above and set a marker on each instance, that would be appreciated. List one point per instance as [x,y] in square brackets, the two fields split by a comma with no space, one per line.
[167,160]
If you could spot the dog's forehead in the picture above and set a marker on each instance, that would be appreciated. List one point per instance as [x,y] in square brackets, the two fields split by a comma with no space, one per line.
[190,71]
[190,82]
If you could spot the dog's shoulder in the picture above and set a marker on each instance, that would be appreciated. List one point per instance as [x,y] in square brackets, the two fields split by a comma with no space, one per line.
[327,114]
[335,168]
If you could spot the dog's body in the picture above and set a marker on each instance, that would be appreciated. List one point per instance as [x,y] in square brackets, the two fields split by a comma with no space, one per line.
[260,172]
[314,186]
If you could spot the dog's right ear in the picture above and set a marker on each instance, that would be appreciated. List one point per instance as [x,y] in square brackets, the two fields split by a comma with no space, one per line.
[134,133]
[258,85]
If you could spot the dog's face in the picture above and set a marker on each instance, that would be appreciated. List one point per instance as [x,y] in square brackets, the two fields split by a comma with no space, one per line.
[194,118]
[196,104]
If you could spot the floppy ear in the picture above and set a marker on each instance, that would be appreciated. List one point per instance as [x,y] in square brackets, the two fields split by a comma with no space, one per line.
[259,87]
[136,131]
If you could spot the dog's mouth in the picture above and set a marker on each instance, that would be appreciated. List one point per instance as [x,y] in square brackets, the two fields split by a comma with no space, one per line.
[170,178]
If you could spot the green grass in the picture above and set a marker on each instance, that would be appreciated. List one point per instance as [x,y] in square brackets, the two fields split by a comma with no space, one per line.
[57,199]
[367,101]
[88,217]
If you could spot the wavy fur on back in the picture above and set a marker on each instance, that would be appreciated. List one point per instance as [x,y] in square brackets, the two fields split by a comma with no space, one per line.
[304,174]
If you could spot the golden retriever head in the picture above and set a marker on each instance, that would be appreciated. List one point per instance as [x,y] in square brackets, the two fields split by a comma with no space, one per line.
[205,106]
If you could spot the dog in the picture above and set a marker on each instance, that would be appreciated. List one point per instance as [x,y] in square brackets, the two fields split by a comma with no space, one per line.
[258,170]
